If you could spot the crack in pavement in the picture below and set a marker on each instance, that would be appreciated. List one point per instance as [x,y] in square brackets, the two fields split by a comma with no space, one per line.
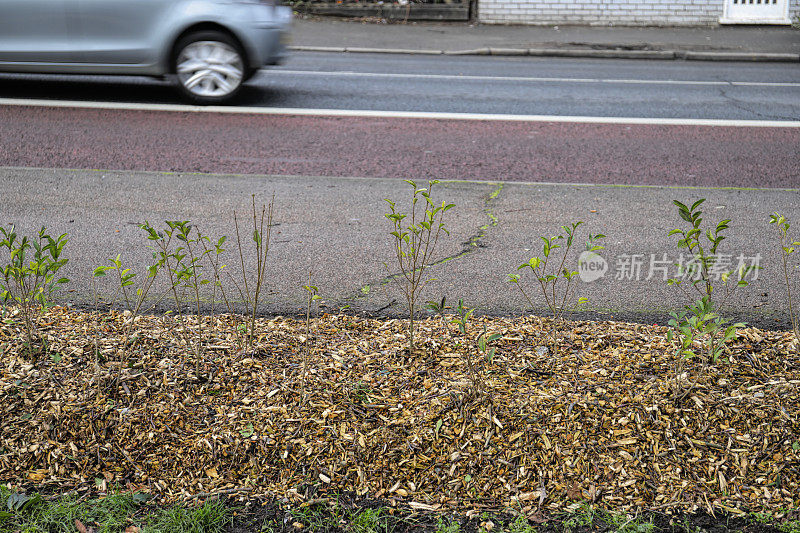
[473,243]
[738,104]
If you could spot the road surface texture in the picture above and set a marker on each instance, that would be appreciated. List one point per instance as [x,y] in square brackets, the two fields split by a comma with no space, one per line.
[400,148]
[335,229]
[542,86]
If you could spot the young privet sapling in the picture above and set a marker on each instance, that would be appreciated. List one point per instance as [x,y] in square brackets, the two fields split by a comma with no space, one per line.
[555,281]
[414,242]
[250,290]
[312,297]
[463,314]
[787,248]
[213,252]
[701,321]
[483,344]
[173,247]
[187,273]
[29,278]
[135,299]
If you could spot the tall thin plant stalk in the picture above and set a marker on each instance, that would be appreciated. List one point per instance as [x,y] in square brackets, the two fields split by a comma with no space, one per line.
[787,248]
[251,291]
[311,297]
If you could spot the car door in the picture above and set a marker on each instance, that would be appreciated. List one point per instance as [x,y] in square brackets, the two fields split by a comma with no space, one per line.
[35,31]
[123,32]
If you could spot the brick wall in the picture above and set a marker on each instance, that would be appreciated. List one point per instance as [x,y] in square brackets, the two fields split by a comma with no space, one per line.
[607,12]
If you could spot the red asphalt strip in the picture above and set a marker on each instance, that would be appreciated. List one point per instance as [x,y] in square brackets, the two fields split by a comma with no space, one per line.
[719,156]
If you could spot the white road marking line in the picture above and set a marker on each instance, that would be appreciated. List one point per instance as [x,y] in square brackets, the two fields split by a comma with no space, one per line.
[355,113]
[449,77]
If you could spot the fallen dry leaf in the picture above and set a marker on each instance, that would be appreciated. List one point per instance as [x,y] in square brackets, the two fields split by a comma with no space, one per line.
[81,528]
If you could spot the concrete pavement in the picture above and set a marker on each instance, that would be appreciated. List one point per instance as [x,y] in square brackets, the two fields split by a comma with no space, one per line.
[724,43]
[335,229]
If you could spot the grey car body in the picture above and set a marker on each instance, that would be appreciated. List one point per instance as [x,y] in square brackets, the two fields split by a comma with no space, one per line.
[145,37]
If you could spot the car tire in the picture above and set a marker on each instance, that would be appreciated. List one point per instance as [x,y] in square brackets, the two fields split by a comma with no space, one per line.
[209,67]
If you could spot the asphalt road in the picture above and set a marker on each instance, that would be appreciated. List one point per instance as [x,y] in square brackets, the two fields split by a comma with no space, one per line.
[540,86]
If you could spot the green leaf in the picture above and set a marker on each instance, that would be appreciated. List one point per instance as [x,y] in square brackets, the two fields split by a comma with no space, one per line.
[681,206]
[247,431]
[141,497]
[20,502]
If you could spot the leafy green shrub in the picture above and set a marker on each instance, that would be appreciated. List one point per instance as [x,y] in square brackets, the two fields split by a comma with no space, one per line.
[463,314]
[29,278]
[556,283]
[414,245]
[483,344]
[554,279]
[438,308]
[701,322]
[181,251]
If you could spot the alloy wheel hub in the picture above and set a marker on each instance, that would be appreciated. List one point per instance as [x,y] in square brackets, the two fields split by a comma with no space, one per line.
[210,68]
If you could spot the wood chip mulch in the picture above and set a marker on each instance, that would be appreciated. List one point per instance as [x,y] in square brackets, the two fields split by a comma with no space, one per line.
[599,417]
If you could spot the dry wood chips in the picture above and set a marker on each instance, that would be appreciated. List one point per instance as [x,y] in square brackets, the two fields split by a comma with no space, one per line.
[599,416]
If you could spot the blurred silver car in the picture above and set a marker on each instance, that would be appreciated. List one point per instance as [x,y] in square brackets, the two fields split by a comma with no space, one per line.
[209,47]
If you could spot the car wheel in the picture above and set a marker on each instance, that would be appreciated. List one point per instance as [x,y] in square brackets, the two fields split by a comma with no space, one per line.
[209,67]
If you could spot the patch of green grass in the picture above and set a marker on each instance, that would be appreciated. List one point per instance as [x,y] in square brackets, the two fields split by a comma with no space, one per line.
[368,521]
[625,524]
[211,517]
[444,525]
[588,516]
[109,514]
[581,517]
[520,525]
[105,515]
[319,517]
[788,526]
